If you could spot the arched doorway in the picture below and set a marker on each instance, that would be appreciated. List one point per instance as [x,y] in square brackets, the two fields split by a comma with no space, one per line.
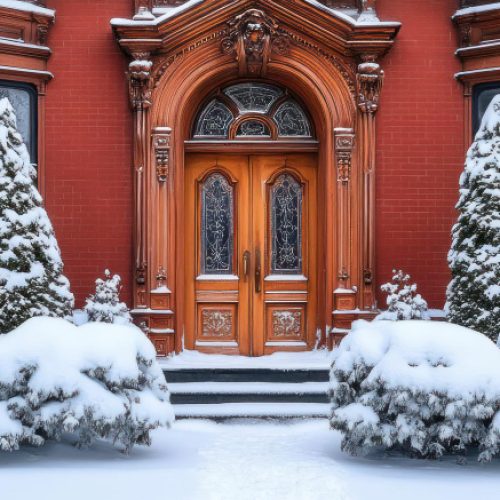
[183,63]
[251,223]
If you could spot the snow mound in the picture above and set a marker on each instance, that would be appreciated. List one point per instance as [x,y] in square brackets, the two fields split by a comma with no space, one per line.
[94,381]
[420,387]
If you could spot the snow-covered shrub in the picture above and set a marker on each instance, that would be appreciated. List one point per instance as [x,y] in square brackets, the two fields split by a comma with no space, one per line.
[93,381]
[31,279]
[473,296]
[424,388]
[403,301]
[105,305]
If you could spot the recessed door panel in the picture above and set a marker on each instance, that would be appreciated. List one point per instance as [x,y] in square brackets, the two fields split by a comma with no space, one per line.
[250,253]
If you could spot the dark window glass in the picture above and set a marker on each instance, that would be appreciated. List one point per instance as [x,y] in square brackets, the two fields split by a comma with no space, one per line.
[253,128]
[23,98]
[291,120]
[217,225]
[214,120]
[286,226]
[482,96]
[254,97]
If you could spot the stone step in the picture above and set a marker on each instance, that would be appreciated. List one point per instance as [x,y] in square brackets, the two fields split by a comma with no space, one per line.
[278,411]
[184,375]
[237,392]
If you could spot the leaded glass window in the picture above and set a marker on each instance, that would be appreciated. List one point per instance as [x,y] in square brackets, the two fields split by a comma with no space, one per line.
[217,216]
[280,116]
[253,128]
[254,97]
[286,225]
[23,99]
[214,120]
[291,120]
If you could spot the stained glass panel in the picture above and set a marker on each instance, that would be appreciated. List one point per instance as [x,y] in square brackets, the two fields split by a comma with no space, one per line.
[286,226]
[253,128]
[214,121]
[254,97]
[217,225]
[292,121]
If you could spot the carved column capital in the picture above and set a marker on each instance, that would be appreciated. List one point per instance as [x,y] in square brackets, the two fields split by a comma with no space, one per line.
[139,77]
[161,144]
[370,78]
[344,145]
[252,37]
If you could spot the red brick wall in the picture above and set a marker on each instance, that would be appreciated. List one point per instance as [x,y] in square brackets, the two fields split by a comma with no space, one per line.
[88,137]
[420,149]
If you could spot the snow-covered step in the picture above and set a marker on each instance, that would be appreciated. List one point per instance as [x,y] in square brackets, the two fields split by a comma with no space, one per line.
[233,392]
[253,410]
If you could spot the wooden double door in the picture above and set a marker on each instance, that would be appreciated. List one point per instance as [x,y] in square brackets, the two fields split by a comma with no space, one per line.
[250,253]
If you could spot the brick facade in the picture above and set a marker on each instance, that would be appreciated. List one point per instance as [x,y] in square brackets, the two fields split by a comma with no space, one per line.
[420,149]
[88,138]
[88,133]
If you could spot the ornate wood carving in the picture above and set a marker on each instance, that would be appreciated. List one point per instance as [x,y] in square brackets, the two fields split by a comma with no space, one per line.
[216,323]
[139,77]
[287,323]
[344,145]
[319,63]
[370,79]
[161,144]
[253,36]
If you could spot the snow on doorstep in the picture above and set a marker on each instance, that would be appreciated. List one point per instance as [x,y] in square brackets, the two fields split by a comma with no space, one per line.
[248,388]
[310,360]
[427,356]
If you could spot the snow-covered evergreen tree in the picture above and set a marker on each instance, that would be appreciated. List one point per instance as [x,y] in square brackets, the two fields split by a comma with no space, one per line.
[473,296]
[105,305]
[31,279]
[403,301]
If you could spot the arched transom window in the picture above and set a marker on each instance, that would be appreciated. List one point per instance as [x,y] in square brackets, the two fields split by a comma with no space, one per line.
[252,111]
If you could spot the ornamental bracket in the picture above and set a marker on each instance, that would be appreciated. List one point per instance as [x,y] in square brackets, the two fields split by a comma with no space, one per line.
[370,78]
[139,78]
[253,37]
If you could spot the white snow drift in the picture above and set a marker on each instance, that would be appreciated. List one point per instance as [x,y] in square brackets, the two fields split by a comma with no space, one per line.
[421,387]
[94,381]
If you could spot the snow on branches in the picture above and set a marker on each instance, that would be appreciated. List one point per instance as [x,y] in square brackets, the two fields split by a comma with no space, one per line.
[94,381]
[425,389]
[473,296]
[403,301]
[105,305]
[31,279]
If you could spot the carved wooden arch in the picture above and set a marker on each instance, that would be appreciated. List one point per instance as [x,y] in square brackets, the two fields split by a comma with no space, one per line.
[321,101]
[339,87]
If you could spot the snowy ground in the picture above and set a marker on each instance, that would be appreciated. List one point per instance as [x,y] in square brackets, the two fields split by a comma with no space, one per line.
[233,461]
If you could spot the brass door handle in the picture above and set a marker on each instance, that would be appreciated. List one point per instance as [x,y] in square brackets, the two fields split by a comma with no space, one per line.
[246,263]
[258,272]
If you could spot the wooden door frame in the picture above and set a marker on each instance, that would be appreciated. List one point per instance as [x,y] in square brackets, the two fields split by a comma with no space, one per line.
[178,62]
